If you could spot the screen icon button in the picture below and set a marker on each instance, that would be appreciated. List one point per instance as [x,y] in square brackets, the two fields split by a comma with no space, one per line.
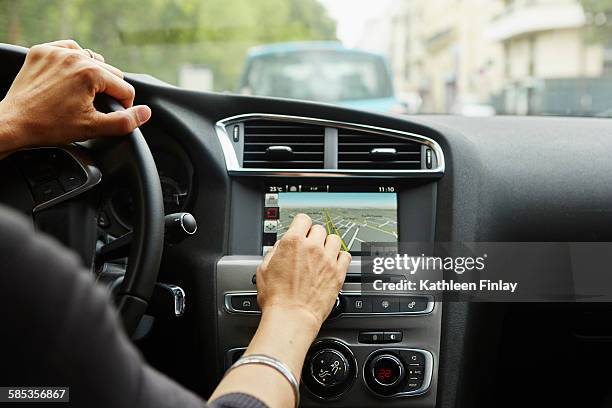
[272,213]
[270,226]
[271,200]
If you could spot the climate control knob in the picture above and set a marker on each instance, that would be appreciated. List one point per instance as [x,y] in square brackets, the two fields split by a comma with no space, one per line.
[387,371]
[329,367]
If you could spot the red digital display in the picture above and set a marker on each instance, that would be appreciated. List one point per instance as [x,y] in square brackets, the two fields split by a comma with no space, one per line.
[387,371]
[384,374]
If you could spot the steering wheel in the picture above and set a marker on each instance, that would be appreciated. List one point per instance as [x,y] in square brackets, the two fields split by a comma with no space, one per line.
[129,160]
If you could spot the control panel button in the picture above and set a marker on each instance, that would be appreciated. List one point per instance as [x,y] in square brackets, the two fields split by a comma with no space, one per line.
[372,337]
[413,304]
[385,304]
[413,358]
[416,372]
[71,180]
[38,173]
[47,191]
[357,304]
[392,337]
[329,367]
[245,303]
[414,385]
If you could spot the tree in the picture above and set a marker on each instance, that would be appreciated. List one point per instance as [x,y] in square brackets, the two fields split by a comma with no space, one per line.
[599,20]
[157,36]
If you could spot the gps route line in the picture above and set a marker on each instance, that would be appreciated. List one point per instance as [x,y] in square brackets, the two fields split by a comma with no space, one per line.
[328,221]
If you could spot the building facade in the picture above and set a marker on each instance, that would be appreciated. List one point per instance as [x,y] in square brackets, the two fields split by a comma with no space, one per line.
[514,56]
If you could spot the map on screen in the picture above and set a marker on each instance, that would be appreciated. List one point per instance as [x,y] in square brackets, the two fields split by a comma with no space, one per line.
[357,217]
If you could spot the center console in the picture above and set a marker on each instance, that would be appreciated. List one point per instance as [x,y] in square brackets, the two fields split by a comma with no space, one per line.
[359,357]
[373,347]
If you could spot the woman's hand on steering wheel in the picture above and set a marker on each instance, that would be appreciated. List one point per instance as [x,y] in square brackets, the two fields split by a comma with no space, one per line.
[51,100]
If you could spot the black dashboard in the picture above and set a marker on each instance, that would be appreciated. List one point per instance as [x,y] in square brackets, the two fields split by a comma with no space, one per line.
[464,179]
[504,179]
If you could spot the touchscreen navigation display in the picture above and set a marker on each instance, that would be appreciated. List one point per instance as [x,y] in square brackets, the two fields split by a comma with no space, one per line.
[356,214]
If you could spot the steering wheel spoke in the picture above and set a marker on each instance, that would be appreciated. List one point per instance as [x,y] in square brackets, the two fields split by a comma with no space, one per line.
[57,174]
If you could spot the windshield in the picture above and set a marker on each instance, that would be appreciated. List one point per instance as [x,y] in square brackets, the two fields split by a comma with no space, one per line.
[469,57]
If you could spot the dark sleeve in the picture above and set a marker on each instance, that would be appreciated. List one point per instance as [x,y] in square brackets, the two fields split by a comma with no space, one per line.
[237,400]
[60,329]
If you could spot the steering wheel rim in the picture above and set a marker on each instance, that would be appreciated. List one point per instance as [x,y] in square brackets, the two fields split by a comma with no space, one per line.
[128,157]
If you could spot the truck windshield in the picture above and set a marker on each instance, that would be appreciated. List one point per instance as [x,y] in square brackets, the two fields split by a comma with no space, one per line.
[325,76]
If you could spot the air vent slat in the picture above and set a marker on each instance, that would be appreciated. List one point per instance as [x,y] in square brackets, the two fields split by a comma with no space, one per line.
[355,151]
[305,141]
[372,161]
[398,153]
[284,135]
[284,142]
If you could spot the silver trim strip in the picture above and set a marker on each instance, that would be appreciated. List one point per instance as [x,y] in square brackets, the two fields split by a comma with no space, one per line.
[234,168]
[430,304]
[94,176]
[429,366]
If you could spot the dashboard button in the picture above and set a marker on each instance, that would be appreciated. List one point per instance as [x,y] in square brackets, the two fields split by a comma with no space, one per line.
[385,304]
[413,304]
[39,173]
[392,337]
[415,372]
[70,181]
[413,358]
[371,337]
[357,304]
[245,303]
[414,385]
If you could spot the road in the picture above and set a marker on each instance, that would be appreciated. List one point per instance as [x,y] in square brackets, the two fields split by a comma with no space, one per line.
[353,225]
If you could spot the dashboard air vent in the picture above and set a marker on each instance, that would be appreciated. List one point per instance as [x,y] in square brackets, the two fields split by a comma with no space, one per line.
[283,145]
[365,150]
